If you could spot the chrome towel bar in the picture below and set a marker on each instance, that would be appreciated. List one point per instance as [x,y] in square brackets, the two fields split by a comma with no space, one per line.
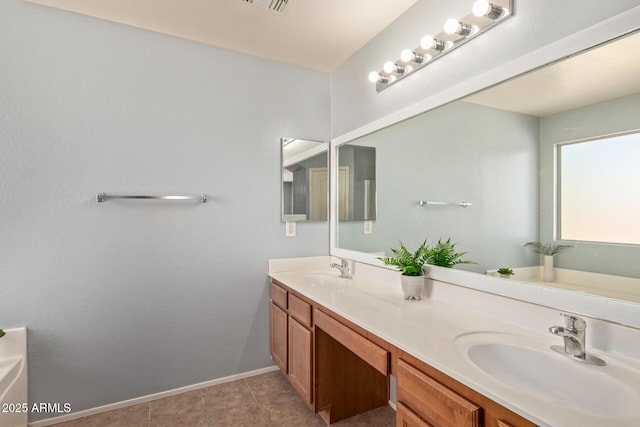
[461,204]
[103,197]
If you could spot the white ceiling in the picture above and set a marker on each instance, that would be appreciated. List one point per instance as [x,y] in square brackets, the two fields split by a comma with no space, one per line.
[609,72]
[318,34]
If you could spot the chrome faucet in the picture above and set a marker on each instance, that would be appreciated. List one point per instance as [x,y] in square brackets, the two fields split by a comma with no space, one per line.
[343,267]
[575,338]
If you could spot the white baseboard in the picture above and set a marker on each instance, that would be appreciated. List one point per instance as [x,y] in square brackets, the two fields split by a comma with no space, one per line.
[393,405]
[150,397]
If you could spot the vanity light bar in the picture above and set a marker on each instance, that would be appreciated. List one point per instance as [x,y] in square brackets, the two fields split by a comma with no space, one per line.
[484,15]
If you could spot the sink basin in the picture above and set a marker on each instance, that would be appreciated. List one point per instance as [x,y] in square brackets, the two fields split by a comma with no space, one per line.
[527,365]
[324,279]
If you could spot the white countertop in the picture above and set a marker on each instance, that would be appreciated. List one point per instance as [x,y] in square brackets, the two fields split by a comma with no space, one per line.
[433,332]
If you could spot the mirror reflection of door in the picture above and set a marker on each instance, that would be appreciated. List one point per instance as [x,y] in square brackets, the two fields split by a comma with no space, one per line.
[318,190]
[343,192]
[357,191]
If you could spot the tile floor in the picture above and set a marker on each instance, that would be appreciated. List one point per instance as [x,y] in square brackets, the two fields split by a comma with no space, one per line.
[259,401]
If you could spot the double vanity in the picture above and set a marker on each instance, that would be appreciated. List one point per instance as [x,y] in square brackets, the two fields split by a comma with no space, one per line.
[459,357]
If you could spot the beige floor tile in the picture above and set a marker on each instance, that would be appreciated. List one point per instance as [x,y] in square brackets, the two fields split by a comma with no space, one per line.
[227,395]
[170,410]
[238,416]
[266,400]
[285,407]
[133,416]
[313,420]
[195,419]
[269,385]
[80,422]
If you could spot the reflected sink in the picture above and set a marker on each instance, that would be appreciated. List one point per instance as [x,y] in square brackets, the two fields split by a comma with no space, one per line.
[325,279]
[529,366]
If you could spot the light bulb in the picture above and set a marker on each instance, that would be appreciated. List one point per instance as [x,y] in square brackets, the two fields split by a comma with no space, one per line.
[374,76]
[451,26]
[490,10]
[429,42]
[426,42]
[406,55]
[389,67]
[481,7]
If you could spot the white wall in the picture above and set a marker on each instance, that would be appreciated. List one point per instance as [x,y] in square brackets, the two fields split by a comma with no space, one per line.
[124,299]
[537,23]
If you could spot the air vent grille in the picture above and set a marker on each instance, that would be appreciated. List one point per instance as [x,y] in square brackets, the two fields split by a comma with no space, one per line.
[274,5]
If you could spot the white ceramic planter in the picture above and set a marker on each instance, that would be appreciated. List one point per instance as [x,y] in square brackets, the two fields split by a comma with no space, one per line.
[547,271]
[412,287]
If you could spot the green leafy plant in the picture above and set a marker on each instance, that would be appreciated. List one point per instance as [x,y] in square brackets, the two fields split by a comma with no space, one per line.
[444,254]
[2,333]
[541,249]
[505,270]
[409,263]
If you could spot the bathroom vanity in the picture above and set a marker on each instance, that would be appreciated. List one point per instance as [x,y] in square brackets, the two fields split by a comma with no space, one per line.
[339,341]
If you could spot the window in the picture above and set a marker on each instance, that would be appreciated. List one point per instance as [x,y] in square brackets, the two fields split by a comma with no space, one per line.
[599,190]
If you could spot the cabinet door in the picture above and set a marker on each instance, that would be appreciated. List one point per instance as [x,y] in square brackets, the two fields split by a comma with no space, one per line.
[406,418]
[300,361]
[279,337]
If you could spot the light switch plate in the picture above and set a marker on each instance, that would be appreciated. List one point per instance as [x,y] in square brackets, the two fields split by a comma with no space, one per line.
[290,229]
[368,227]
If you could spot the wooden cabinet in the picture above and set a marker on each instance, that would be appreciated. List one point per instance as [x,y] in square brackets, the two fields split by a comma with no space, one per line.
[279,340]
[301,359]
[429,396]
[405,417]
[434,402]
[292,339]
[340,370]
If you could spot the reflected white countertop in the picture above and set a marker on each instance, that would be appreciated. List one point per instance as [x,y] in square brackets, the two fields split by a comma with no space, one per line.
[431,330]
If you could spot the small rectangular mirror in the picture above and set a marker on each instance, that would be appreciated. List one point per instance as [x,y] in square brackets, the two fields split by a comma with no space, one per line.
[305,180]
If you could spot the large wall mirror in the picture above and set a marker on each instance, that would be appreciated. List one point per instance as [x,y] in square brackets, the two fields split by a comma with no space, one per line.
[485,166]
[305,180]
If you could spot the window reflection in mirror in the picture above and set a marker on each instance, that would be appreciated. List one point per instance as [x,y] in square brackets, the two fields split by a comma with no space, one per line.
[598,188]
[305,180]
[356,183]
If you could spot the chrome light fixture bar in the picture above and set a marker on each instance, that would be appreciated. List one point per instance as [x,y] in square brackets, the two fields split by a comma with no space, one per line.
[456,32]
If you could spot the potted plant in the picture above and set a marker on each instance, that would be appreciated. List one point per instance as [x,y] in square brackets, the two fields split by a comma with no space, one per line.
[444,254]
[505,272]
[410,264]
[548,251]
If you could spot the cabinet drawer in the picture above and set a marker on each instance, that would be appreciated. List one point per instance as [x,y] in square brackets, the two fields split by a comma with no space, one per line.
[371,353]
[300,310]
[434,402]
[406,418]
[279,295]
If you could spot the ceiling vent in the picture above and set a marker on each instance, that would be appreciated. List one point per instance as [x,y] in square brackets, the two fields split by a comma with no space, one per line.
[274,5]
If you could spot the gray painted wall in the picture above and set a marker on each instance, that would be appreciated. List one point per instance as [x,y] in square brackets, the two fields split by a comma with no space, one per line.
[618,115]
[124,299]
[537,23]
[459,152]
